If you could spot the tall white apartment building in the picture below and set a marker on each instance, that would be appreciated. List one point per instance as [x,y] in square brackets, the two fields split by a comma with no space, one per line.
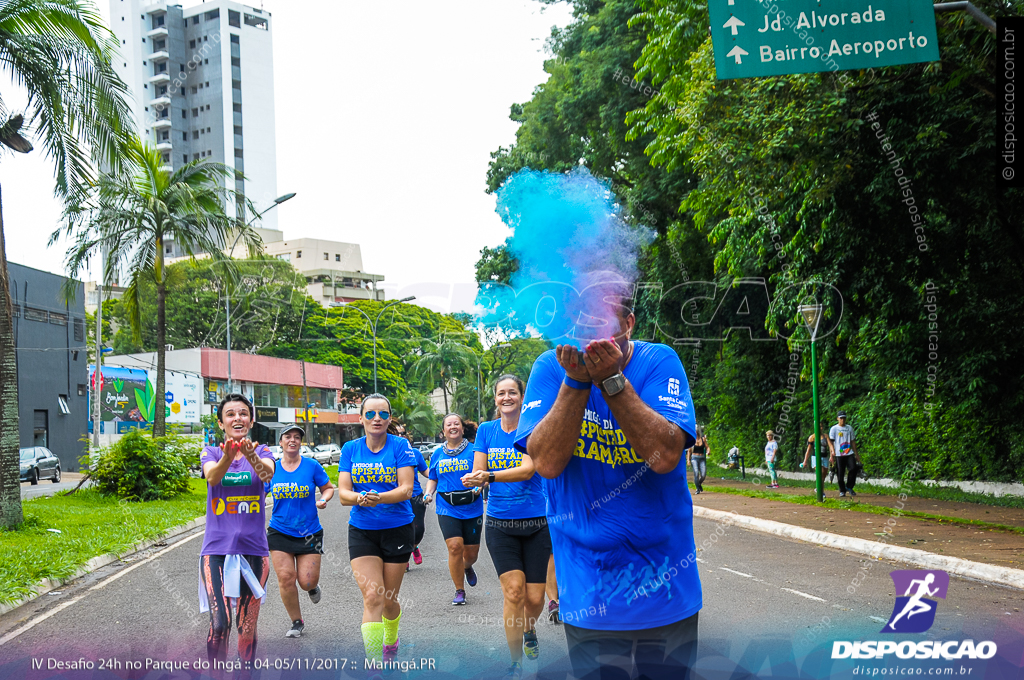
[203,84]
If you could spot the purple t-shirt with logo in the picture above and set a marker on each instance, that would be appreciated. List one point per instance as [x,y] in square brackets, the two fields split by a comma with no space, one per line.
[235,516]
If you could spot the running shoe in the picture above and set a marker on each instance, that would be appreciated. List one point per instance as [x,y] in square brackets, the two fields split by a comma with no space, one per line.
[852,492]
[842,494]
[296,629]
[417,557]
[531,647]
[391,651]
[460,597]
[407,567]
[314,595]
[515,671]
[553,615]
[470,576]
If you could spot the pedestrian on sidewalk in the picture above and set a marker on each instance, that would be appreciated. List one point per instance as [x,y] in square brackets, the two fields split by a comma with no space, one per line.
[607,428]
[844,454]
[696,457]
[234,562]
[771,453]
[295,536]
[809,454]
[459,510]
[516,529]
[375,477]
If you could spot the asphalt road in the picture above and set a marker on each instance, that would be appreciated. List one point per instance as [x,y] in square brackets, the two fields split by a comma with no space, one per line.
[768,603]
[47,488]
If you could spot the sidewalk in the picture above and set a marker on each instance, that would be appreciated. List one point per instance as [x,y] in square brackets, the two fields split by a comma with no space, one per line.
[995,547]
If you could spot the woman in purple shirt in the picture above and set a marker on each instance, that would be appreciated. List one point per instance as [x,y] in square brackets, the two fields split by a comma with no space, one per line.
[234,562]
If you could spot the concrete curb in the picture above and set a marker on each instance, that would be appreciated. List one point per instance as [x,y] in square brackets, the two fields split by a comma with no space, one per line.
[46,585]
[1005,576]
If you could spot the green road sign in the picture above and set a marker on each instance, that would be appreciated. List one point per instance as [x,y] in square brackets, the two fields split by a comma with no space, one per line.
[774,37]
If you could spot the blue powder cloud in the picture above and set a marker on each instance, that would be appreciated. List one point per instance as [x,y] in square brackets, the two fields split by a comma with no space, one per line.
[574,248]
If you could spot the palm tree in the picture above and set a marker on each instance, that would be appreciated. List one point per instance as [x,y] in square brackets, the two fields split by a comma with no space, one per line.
[58,52]
[418,414]
[133,214]
[445,359]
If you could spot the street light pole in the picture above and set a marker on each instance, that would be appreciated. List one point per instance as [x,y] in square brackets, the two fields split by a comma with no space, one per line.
[227,294]
[812,317]
[373,327]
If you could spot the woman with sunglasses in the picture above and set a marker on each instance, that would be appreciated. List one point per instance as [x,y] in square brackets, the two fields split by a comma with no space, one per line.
[375,476]
[516,528]
[295,536]
[459,510]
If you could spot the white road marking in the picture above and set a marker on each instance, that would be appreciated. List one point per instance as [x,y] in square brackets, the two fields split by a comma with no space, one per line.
[738,573]
[809,597]
[102,584]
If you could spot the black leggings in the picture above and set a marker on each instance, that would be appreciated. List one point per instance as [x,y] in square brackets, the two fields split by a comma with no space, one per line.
[846,472]
[211,569]
[419,523]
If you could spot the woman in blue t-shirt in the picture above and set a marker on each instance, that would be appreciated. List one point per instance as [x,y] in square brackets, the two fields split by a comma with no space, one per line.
[295,536]
[375,476]
[517,530]
[459,510]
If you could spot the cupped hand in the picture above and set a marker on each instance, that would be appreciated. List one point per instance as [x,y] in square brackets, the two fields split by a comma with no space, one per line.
[321,504]
[571,359]
[602,359]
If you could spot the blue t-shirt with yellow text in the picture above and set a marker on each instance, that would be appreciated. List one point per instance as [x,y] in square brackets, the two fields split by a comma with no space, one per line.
[508,500]
[621,533]
[295,511]
[448,471]
[421,466]
[377,472]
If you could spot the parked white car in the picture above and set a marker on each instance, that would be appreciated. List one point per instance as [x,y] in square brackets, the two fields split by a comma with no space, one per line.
[333,451]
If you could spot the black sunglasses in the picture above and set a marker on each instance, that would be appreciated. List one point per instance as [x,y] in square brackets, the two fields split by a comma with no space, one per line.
[370,415]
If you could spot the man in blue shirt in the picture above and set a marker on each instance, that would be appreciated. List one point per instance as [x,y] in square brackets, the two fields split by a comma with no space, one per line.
[606,429]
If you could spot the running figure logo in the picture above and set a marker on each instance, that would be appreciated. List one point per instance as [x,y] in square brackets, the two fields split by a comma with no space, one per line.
[914,612]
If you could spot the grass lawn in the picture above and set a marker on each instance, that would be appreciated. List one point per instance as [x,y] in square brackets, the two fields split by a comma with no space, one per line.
[90,525]
[913,488]
[843,504]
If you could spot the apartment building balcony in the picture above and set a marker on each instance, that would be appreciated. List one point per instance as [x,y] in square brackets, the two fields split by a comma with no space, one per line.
[160,79]
[157,33]
[164,146]
[160,102]
[159,55]
[162,124]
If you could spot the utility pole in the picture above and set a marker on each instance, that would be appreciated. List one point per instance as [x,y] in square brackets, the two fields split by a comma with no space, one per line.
[97,374]
[305,396]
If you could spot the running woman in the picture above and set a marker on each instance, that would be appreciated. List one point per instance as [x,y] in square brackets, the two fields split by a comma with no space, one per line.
[516,528]
[375,475]
[234,562]
[295,536]
[459,510]
[697,458]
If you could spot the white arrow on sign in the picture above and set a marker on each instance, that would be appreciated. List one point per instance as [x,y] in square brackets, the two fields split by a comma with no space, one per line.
[733,23]
[737,52]
[732,2]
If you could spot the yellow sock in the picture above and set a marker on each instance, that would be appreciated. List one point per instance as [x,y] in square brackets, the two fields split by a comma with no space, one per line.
[373,639]
[391,629]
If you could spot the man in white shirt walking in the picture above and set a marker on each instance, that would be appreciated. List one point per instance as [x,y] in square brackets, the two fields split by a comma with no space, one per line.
[843,454]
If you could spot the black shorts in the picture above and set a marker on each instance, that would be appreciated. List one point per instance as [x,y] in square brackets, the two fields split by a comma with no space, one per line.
[466,529]
[391,545]
[296,545]
[519,545]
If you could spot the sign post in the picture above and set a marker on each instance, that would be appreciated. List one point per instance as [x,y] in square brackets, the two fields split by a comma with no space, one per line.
[753,38]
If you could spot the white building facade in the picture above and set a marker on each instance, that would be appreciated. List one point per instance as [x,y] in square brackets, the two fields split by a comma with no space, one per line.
[202,78]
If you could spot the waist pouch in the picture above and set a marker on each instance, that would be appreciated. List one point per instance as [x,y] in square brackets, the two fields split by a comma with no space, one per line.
[458,497]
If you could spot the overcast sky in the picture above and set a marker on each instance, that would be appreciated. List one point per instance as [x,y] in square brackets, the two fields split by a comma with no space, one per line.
[386,115]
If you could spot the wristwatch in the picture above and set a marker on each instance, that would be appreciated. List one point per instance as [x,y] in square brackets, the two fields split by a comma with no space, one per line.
[576,384]
[490,478]
[614,384]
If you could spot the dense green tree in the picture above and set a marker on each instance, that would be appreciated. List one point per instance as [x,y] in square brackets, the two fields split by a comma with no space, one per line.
[129,217]
[58,53]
